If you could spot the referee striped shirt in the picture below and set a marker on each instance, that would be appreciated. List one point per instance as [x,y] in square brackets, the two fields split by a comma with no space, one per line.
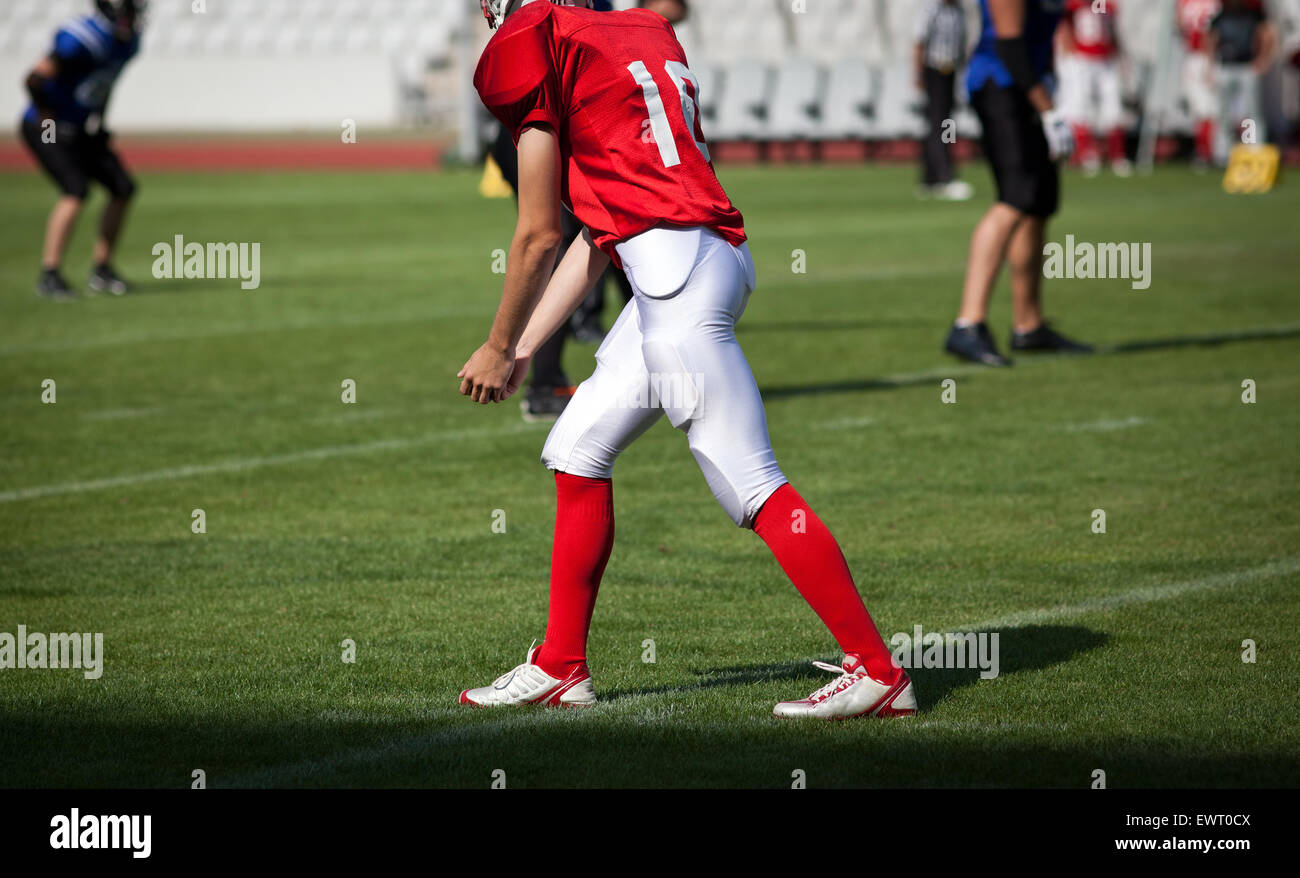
[941,29]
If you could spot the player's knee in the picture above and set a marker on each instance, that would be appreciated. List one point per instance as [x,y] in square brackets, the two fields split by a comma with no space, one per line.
[1021,199]
[741,489]
[579,459]
[723,489]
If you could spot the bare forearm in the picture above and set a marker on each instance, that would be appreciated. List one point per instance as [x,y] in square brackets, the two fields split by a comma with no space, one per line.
[582,266]
[1267,48]
[38,79]
[527,270]
[1039,98]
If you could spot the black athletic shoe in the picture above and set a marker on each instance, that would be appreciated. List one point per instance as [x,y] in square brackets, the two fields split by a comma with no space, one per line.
[975,343]
[542,403]
[105,280]
[51,285]
[1044,338]
[586,329]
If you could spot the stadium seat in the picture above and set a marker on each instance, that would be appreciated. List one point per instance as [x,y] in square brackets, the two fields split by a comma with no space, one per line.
[432,41]
[796,106]
[395,38]
[327,38]
[848,112]
[710,84]
[361,40]
[239,11]
[900,103]
[742,109]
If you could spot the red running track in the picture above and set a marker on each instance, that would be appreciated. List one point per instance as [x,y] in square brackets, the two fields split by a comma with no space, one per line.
[270,154]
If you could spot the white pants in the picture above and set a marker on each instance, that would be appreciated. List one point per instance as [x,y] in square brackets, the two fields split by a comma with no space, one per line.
[673,351]
[1238,94]
[1091,93]
[1202,100]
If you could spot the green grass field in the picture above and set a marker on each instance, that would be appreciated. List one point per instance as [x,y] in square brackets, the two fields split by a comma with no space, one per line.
[373,522]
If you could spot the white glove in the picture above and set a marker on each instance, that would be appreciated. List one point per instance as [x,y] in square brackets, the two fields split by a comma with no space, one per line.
[1060,139]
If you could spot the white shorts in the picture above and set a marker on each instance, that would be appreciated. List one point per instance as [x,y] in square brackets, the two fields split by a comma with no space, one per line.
[673,351]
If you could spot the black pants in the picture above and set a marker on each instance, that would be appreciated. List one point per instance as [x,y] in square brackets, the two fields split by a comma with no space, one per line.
[1016,148]
[936,161]
[74,158]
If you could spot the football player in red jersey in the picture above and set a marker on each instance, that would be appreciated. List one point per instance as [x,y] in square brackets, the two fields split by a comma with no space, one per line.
[1091,92]
[605,112]
[1194,17]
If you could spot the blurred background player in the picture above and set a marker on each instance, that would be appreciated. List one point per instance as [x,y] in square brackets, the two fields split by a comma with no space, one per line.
[1243,44]
[1010,80]
[939,52]
[64,129]
[1091,91]
[1194,17]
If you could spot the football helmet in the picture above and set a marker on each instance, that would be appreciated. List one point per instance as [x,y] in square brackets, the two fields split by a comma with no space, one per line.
[122,10]
[496,11]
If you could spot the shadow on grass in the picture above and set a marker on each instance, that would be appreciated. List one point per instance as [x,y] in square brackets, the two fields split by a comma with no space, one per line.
[1209,340]
[1028,648]
[920,379]
[927,378]
[661,742]
[150,286]
[748,327]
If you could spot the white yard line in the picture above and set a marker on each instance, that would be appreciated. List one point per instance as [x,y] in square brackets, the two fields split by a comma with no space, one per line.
[245,464]
[1136,597]
[123,414]
[1105,426]
[242,328]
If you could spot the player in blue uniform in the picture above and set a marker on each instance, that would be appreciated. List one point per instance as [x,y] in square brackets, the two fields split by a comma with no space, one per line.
[64,129]
[1010,83]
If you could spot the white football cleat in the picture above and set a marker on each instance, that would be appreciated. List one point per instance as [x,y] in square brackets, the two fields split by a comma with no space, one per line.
[956,190]
[529,684]
[853,693]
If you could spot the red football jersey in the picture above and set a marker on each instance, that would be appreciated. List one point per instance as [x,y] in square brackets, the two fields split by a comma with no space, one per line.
[1194,17]
[616,89]
[1094,32]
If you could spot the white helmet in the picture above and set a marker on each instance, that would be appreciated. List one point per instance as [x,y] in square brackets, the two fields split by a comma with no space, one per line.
[496,11]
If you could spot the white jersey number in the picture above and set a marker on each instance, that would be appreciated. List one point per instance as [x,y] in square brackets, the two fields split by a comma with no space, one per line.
[659,126]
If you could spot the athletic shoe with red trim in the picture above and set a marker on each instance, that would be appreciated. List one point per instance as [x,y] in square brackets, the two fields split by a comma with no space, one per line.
[529,684]
[853,693]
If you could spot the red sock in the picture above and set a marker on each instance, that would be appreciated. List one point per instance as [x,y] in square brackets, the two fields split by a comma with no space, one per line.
[1084,147]
[1118,148]
[584,536]
[809,555]
[1205,140]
